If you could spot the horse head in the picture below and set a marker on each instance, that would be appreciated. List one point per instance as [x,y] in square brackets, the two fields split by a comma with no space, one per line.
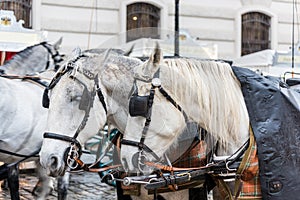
[170,93]
[77,111]
[34,59]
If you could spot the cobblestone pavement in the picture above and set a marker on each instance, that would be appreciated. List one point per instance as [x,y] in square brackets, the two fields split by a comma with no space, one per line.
[83,186]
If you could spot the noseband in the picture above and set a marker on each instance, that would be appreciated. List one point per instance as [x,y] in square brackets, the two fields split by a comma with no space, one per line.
[86,103]
[142,106]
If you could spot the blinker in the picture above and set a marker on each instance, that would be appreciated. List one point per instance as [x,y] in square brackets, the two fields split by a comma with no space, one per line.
[138,106]
[85,99]
[45,100]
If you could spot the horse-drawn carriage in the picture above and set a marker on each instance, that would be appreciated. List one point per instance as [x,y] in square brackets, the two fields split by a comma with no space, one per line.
[153,102]
[165,99]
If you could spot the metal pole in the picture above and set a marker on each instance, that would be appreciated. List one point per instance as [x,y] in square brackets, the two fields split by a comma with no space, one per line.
[293,36]
[176,41]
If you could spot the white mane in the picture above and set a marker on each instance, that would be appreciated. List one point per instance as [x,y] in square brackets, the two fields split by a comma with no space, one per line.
[214,88]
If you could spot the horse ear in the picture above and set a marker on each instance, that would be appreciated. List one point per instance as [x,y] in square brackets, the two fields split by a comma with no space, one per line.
[147,70]
[58,44]
[129,51]
[156,56]
[105,56]
[151,66]
[76,52]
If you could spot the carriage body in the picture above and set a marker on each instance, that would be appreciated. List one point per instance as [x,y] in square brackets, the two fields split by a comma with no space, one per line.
[14,37]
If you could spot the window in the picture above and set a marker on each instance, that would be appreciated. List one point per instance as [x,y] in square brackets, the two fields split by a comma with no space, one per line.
[21,8]
[255,32]
[143,20]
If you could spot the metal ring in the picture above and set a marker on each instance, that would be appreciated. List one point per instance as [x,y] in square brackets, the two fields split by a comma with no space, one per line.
[229,169]
[70,163]
[126,181]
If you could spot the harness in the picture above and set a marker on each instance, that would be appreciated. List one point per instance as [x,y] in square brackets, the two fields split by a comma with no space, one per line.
[86,103]
[232,167]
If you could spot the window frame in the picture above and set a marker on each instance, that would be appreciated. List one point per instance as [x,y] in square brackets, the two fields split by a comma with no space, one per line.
[123,16]
[238,28]
[256,29]
[146,17]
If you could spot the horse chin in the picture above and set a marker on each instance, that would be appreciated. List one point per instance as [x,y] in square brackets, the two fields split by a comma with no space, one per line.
[55,172]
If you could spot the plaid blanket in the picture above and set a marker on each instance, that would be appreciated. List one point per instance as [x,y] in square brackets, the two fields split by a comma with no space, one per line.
[194,158]
[250,178]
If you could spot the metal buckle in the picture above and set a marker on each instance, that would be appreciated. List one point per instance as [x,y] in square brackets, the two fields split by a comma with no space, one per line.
[71,155]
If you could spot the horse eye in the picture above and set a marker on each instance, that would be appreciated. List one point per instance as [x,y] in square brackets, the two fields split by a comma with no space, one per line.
[75,98]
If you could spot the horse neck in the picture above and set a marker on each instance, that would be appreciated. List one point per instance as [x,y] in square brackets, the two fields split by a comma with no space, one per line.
[47,75]
[5,90]
[215,101]
[28,61]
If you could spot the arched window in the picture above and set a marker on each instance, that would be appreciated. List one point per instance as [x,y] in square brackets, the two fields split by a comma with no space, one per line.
[255,32]
[143,20]
[21,8]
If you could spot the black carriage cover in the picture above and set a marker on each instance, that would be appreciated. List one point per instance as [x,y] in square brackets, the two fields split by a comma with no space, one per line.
[274,116]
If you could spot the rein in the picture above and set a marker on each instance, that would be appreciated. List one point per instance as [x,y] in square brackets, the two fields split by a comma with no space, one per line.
[35,79]
[19,155]
[91,167]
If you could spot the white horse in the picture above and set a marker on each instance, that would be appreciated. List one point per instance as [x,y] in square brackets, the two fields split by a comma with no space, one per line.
[195,86]
[23,118]
[34,59]
[115,78]
[22,124]
[184,90]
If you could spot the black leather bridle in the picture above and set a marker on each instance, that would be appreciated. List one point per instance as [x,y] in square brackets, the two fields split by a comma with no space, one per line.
[56,57]
[147,112]
[75,150]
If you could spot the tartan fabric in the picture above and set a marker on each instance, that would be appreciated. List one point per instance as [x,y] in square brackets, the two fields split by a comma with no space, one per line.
[194,158]
[250,178]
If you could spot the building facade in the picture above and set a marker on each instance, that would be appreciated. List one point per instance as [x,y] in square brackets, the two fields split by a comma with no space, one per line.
[237,27]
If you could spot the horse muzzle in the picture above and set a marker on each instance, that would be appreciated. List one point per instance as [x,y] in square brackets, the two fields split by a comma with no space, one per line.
[55,166]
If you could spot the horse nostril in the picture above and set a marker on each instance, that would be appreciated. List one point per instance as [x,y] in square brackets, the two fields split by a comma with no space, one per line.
[135,160]
[53,164]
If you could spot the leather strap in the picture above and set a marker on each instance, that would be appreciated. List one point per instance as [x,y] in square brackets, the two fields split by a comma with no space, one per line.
[86,167]
[242,167]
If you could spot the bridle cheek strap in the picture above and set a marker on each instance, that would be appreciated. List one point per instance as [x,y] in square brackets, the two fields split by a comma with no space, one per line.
[141,146]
